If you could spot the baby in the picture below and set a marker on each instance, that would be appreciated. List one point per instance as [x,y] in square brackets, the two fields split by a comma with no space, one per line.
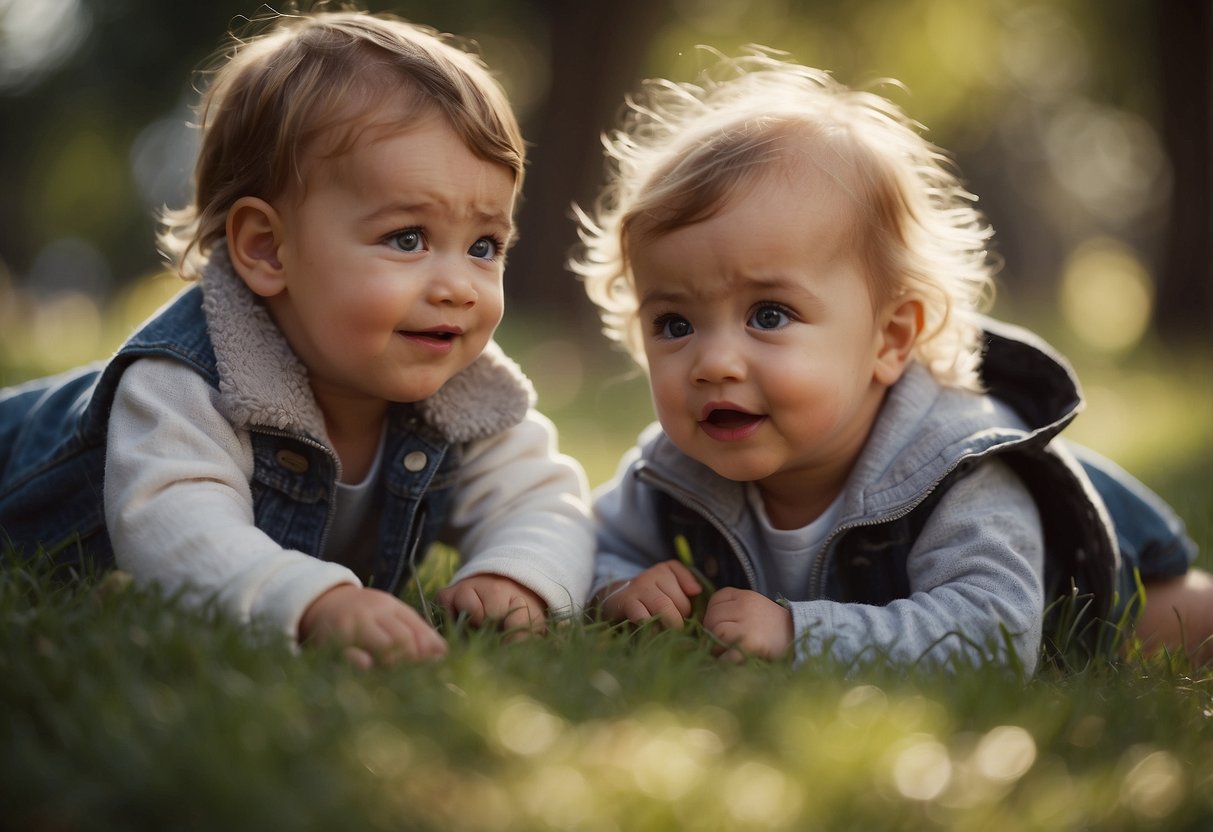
[855,461]
[287,437]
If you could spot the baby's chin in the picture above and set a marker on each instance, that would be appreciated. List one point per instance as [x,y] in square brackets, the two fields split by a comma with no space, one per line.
[730,466]
[420,389]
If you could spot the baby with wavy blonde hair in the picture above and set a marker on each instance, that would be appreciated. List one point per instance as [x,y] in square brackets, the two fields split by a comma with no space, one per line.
[849,460]
[684,147]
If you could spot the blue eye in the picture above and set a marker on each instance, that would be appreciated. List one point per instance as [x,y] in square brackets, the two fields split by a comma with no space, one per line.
[672,326]
[769,316]
[486,248]
[408,240]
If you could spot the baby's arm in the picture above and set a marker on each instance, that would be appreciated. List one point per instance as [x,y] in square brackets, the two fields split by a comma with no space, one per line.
[976,576]
[521,517]
[180,511]
[635,578]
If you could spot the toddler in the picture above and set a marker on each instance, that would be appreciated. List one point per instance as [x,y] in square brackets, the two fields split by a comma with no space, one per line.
[288,435]
[855,461]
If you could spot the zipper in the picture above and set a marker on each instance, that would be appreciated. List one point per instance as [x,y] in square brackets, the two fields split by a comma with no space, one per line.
[689,500]
[817,576]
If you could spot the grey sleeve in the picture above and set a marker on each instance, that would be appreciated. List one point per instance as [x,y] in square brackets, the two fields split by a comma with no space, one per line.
[976,582]
[628,534]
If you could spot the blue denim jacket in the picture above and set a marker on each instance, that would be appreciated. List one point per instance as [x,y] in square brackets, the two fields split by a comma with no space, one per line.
[52,461]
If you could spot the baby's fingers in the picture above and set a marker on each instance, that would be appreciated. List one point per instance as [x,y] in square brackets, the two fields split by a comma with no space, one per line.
[406,638]
[523,620]
[638,610]
[461,598]
[358,657]
[730,641]
[687,583]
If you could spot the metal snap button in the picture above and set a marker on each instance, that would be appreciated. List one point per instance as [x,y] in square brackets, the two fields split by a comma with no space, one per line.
[415,461]
[292,461]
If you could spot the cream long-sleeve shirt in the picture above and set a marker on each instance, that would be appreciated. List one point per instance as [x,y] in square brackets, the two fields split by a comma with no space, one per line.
[179,507]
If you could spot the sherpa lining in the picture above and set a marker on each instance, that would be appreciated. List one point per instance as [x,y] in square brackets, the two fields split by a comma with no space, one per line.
[262,383]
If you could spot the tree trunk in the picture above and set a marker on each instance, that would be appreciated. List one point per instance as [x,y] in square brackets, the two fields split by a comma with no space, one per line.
[596,56]
[1184,307]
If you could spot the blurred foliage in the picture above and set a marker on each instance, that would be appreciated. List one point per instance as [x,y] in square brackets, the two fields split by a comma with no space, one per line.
[1059,112]
[1053,108]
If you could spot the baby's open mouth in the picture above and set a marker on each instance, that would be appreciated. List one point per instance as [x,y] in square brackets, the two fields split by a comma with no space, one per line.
[726,424]
[436,335]
[730,418]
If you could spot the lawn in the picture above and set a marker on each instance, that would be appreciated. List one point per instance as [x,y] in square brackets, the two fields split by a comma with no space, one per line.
[123,711]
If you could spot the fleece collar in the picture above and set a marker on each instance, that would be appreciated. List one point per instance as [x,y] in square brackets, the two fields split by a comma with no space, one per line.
[262,382]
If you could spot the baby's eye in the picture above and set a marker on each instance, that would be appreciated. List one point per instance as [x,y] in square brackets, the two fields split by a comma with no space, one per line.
[486,248]
[672,326]
[409,240]
[769,316]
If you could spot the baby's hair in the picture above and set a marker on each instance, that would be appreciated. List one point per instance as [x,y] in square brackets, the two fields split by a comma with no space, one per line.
[684,148]
[293,79]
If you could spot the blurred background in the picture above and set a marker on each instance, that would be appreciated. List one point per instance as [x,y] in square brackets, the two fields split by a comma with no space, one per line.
[1083,125]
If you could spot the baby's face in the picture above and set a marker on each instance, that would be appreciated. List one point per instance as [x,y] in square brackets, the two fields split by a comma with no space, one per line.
[393,260]
[760,334]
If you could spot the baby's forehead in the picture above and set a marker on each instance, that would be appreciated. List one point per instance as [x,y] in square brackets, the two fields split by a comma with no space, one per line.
[335,152]
[800,175]
[784,140]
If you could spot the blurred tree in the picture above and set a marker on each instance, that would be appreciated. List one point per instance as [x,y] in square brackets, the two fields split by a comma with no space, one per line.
[597,49]
[67,131]
[1184,299]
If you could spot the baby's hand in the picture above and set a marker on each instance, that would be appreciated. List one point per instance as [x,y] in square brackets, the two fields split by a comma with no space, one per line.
[375,628]
[663,591]
[496,599]
[748,623]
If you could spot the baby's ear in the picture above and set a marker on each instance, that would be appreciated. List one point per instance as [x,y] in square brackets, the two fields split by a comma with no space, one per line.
[901,324]
[254,232]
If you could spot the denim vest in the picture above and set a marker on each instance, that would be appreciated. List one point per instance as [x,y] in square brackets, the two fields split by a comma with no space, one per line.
[52,463]
[1103,529]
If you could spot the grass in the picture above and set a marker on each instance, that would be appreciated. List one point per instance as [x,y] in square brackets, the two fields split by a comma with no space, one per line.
[124,711]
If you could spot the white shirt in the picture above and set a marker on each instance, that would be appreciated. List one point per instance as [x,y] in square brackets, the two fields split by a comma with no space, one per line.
[179,507]
[786,560]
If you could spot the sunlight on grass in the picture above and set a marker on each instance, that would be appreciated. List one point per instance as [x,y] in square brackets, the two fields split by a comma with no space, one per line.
[44,335]
[1147,422]
[869,756]
[588,729]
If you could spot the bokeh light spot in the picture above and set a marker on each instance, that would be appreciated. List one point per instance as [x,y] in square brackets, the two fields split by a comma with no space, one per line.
[1106,295]
[922,770]
[525,727]
[1005,753]
[66,330]
[1154,786]
[757,793]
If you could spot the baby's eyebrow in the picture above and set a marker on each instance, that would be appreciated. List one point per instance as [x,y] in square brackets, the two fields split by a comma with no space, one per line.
[778,284]
[662,296]
[757,285]
[497,219]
